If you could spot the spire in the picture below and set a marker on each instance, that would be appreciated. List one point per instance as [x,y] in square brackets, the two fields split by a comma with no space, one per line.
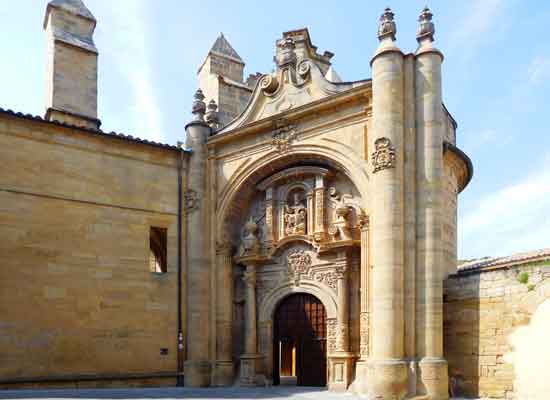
[222,48]
[426,28]
[75,7]
[386,26]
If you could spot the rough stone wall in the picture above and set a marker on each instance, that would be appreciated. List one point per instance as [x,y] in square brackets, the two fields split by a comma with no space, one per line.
[76,294]
[232,101]
[482,308]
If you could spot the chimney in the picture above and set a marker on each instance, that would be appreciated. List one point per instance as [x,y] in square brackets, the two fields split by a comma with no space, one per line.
[71,93]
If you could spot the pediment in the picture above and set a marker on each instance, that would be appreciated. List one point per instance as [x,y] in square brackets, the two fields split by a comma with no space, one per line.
[289,87]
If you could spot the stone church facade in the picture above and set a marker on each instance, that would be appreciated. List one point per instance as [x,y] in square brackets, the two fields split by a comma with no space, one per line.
[303,232]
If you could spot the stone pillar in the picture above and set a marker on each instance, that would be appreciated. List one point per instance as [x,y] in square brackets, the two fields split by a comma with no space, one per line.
[249,359]
[387,370]
[364,294]
[319,233]
[197,367]
[223,375]
[310,214]
[433,378]
[341,360]
[364,316]
[269,214]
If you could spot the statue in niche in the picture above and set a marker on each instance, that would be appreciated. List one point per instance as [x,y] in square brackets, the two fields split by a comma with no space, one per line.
[340,228]
[295,217]
[250,242]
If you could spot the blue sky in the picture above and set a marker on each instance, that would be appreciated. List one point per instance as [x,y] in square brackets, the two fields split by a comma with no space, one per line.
[496,82]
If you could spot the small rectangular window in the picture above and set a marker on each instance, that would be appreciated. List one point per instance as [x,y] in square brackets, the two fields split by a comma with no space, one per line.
[157,250]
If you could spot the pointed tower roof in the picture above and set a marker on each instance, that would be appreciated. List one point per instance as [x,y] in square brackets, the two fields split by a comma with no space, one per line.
[222,48]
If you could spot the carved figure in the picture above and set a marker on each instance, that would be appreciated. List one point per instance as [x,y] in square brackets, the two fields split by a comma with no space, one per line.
[340,228]
[295,217]
[250,243]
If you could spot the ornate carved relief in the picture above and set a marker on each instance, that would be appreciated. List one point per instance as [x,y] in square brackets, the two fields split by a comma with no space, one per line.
[283,135]
[328,278]
[331,335]
[190,201]
[364,335]
[295,217]
[384,155]
[298,262]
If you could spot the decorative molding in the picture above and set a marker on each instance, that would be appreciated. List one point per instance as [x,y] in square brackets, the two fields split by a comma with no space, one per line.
[364,335]
[384,155]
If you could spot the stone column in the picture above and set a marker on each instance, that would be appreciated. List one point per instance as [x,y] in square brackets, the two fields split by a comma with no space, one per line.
[319,233]
[388,370]
[433,378]
[341,360]
[250,357]
[223,375]
[197,367]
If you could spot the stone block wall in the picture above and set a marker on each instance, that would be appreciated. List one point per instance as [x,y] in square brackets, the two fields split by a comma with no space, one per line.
[77,298]
[482,308]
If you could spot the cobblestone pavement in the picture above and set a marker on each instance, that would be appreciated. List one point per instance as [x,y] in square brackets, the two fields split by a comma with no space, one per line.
[270,393]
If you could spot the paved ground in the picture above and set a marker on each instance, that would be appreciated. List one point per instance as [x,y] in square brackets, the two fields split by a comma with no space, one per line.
[271,393]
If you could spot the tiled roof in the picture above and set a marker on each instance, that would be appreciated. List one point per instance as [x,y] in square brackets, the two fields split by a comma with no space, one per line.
[113,135]
[515,259]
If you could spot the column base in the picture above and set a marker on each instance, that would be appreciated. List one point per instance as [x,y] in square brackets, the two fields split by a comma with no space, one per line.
[387,379]
[197,373]
[361,383]
[249,370]
[340,366]
[223,373]
[433,378]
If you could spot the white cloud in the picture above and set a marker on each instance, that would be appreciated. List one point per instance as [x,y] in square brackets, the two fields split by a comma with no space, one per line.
[513,219]
[130,51]
[539,70]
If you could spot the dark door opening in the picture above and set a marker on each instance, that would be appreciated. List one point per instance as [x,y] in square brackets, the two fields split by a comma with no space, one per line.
[299,345]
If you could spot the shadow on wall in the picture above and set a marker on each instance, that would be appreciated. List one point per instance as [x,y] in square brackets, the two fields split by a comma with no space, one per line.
[530,356]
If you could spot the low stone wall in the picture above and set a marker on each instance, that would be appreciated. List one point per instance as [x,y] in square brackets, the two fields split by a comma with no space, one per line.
[483,307]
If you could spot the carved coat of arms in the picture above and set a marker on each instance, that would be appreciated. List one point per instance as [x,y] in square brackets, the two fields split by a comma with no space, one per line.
[384,154]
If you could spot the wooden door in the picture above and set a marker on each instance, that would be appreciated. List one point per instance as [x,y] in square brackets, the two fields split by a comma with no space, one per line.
[300,320]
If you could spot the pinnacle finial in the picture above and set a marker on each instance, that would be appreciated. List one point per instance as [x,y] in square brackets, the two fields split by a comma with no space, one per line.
[426,28]
[212,116]
[199,107]
[386,26]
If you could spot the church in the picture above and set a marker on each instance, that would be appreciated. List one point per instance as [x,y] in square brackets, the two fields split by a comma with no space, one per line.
[305,231]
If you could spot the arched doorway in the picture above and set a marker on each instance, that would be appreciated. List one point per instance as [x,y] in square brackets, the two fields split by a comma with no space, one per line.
[299,345]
